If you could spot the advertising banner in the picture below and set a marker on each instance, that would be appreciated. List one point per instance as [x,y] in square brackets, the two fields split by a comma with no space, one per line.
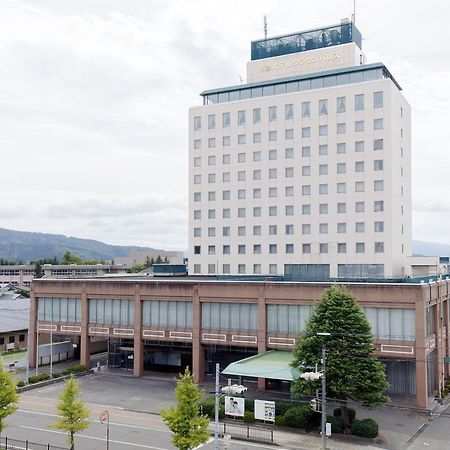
[265,410]
[234,406]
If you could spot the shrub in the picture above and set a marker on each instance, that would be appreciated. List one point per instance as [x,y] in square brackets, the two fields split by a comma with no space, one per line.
[351,413]
[221,412]
[37,378]
[337,424]
[280,421]
[249,417]
[20,383]
[281,408]
[56,375]
[299,416]
[249,405]
[207,406]
[367,428]
[79,368]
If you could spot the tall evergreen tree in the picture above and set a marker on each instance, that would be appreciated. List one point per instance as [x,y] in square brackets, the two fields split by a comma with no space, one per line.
[8,397]
[73,415]
[351,369]
[189,427]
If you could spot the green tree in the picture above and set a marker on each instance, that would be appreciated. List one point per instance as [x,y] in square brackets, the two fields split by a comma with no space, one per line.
[166,260]
[73,415]
[8,397]
[147,263]
[159,260]
[351,370]
[152,261]
[38,272]
[70,258]
[189,427]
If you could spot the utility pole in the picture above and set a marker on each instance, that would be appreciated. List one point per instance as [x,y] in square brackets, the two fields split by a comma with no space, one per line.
[216,409]
[324,397]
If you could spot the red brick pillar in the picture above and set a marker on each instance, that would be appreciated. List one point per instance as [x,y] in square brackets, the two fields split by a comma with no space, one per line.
[421,354]
[85,353]
[138,362]
[198,353]
[32,341]
[262,321]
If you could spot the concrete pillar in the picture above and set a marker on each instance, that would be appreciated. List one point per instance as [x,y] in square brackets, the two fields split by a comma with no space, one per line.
[138,361]
[439,360]
[262,325]
[32,341]
[421,355]
[85,352]
[198,352]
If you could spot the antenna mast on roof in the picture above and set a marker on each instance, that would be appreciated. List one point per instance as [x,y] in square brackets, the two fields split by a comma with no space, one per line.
[265,26]
[354,12]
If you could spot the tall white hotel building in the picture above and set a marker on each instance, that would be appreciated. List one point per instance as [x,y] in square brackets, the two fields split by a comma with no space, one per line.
[305,170]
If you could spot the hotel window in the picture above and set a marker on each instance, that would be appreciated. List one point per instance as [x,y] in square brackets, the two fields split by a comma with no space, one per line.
[197,214]
[197,179]
[341,208]
[340,128]
[241,157]
[257,156]
[289,191]
[342,247]
[225,195]
[289,111]
[359,186]
[272,230]
[241,249]
[241,194]
[378,164]
[379,247]
[323,248]
[359,146]
[211,122]
[226,120]
[289,210]
[306,151]
[241,175]
[226,250]
[323,228]
[323,130]
[241,212]
[323,107]
[288,153]
[256,249]
[211,196]
[211,160]
[272,249]
[360,247]
[379,227]
[359,207]
[342,227]
[306,228]
[226,158]
[306,248]
[323,169]
[241,139]
[211,142]
[340,168]
[306,210]
[257,211]
[197,232]
[323,188]
[340,104]
[323,208]
[256,269]
[306,132]
[306,109]
[241,117]
[359,166]
[211,232]
[306,189]
[226,213]
[273,192]
[289,248]
[272,269]
[197,123]
[378,205]
[226,141]
[378,144]
[197,161]
[256,193]
[341,148]
[359,125]
[359,227]
[197,144]
[378,185]
[289,229]
[377,124]
[257,115]
[226,231]
[241,268]
[272,113]
[289,134]
[256,138]
[272,136]
[289,172]
[257,174]
[211,213]
[341,188]
[197,249]
[378,99]
[359,102]
[257,230]
[272,173]
[226,268]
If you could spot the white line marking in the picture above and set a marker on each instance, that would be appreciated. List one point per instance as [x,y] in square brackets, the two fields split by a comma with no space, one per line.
[93,437]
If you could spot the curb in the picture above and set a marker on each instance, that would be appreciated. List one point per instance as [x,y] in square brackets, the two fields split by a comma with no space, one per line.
[30,387]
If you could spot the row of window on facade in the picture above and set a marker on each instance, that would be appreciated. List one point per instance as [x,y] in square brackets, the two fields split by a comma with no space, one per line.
[12,339]
[387,323]
[289,229]
[306,248]
[289,111]
[272,136]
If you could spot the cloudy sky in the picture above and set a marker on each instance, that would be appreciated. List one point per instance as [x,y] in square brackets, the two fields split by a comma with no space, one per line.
[94,97]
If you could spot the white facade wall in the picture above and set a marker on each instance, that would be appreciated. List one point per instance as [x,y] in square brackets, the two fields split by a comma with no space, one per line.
[292,175]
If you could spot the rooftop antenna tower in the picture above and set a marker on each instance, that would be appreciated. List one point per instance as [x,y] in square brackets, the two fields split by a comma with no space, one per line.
[354,12]
[265,26]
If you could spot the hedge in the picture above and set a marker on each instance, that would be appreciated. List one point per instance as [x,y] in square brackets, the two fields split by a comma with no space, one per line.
[281,408]
[299,416]
[249,417]
[351,414]
[79,368]
[207,406]
[280,421]
[337,424]
[367,428]
[37,378]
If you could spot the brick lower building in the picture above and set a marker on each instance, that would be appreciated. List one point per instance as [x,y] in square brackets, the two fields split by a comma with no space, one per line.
[167,324]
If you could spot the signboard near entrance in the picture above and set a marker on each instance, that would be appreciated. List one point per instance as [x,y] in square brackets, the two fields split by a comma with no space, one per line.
[265,410]
[234,406]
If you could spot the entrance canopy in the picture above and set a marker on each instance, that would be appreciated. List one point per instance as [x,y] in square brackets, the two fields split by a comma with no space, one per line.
[274,364]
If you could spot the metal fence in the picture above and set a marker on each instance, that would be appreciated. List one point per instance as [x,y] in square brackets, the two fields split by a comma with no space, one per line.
[16,444]
[250,433]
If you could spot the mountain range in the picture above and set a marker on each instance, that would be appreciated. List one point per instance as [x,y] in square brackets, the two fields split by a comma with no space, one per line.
[29,246]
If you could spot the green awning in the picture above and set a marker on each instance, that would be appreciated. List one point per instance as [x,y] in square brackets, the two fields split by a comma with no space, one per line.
[274,364]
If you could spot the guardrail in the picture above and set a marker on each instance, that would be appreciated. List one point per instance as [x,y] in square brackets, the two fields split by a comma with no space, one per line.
[258,434]
[16,444]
